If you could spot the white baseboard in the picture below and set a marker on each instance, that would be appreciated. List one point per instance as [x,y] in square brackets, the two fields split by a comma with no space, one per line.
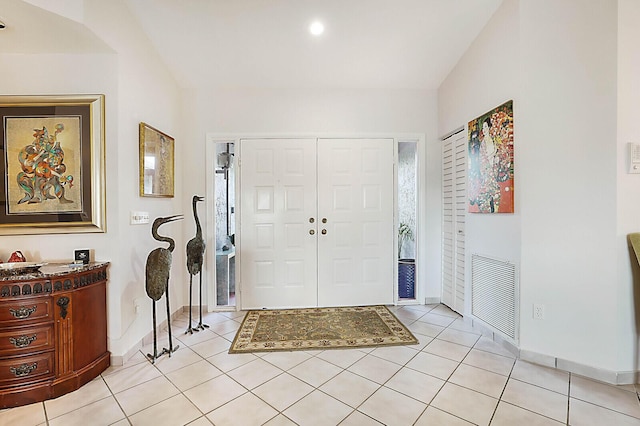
[595,373]
[628,377]
[600,374]
[119,360]
[536,358]
[431,300]
[497,338]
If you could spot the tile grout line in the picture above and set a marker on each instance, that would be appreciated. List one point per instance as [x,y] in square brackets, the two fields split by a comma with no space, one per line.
[146,360]
[506,383]
[46,417]
[250,391]
[445,381]
[569,398]
[317,355]
[315,387]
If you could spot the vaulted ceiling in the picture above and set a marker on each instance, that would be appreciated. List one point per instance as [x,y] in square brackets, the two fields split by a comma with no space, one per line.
[394,44]
[266,43]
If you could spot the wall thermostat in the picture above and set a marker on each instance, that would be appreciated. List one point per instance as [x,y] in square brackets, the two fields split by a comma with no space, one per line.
[634,158]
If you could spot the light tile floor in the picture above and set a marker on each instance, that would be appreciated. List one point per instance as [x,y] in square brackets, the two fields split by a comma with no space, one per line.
[455,376]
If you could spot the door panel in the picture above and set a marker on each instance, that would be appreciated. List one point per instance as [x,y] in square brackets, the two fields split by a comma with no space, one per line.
[454,202]
[461,212]
[355,196]
[448,227]
[278,254]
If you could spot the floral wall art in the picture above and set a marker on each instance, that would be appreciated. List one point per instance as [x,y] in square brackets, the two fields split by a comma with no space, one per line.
[490,184]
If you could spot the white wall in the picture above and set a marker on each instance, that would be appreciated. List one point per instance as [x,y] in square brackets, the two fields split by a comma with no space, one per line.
[335,111]
[137,87]
[148,93]
[486,77]
[567,135]
[628,195]
[557,61]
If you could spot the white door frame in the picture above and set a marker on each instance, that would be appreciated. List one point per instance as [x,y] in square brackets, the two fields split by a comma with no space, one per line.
[421,220]
[210,156]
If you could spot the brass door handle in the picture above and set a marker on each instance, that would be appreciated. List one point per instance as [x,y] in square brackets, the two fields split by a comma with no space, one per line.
[312,231]
[324,232]
[311,220]
[324,220]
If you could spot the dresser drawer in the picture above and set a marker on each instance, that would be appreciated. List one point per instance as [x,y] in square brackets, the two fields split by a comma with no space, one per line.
[25,369]
[18,340]
[19,311]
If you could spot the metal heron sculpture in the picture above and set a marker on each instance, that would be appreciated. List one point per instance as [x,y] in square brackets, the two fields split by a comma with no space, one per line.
[157,280]
[195,256]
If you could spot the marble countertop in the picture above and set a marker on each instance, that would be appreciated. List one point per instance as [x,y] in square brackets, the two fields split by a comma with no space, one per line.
[49,270]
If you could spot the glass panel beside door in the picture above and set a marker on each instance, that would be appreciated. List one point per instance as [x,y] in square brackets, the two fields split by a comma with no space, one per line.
[407,219]
[225,219]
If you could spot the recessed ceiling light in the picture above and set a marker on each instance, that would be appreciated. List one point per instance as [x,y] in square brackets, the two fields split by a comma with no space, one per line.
[316,28]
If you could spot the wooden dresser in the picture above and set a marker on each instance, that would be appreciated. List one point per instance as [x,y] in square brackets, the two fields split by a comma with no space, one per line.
[53,331]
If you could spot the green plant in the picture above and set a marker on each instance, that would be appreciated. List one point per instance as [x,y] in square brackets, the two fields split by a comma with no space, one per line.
[404,234]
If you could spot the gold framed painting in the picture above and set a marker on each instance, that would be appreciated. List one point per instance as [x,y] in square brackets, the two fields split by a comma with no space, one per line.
[156,162]
[53,165]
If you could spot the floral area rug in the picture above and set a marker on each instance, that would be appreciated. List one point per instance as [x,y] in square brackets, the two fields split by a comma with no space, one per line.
[319,328]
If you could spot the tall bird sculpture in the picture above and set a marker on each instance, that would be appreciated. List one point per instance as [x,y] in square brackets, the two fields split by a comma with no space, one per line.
[195,256]
[157,280]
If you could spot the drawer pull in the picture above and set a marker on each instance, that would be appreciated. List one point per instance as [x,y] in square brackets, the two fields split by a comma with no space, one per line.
[22,312]
[24,369]
[22,341]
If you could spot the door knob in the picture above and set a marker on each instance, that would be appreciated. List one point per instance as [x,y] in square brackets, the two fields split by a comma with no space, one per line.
[312,231]
[324,232]
[324,220]
[311,220]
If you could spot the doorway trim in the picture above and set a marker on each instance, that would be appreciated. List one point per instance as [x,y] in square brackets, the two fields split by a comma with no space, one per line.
[210,260]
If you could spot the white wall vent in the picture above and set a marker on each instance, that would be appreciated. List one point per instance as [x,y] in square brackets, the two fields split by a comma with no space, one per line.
[494,294]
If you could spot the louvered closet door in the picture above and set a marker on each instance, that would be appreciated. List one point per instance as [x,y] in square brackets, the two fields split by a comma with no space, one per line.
[278,199]
[454,205]
[355,197]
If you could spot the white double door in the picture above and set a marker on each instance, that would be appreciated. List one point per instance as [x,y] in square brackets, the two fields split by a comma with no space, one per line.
[316,222]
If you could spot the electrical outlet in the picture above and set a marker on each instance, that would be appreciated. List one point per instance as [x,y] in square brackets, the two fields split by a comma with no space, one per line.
[538,311]
[137,305]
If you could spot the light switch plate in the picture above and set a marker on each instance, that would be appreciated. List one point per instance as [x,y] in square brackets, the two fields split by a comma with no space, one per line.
[139,218]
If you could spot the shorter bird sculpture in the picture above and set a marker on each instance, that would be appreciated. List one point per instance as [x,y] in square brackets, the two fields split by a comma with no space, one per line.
[157,280]
[195,258]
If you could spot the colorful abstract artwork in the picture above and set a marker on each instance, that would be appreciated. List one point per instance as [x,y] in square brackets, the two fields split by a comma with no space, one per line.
[490,177]
[53,164]
[43,164]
